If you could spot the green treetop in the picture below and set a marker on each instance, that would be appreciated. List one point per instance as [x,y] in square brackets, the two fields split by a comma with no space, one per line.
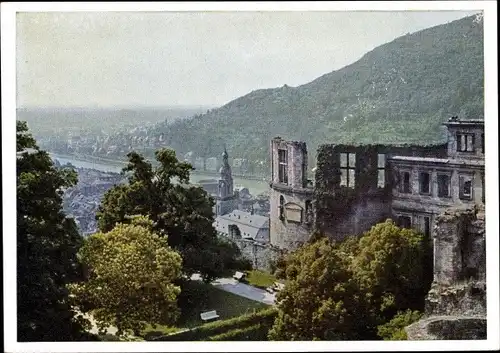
[130,274]
[47,246]
[347,290]
[182,211]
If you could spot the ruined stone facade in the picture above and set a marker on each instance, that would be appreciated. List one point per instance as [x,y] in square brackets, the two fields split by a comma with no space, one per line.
[438,190]
[455,306]
[291,197]
[353,185]
[425,187]
[356,187]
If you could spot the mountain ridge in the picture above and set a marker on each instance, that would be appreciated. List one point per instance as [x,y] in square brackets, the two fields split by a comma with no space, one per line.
[399,92]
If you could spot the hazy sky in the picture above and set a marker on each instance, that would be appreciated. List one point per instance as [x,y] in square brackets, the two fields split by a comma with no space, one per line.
[191,58]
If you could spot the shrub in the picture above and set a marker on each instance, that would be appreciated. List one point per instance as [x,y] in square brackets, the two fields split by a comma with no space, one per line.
[260,279]
[394,329]
[108,337]
[252,333]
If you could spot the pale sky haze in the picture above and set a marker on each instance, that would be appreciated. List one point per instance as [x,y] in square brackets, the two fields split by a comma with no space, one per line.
[192,58]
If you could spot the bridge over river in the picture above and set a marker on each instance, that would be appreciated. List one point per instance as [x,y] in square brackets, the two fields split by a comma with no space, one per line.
[255,185]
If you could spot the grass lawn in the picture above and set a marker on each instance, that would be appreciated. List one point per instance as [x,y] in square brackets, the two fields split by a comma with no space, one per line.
[260,279]
[205,297]
[227,304]
[159,330]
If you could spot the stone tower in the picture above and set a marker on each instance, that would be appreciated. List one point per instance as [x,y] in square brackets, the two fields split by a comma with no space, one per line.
[225,199]
[291,219]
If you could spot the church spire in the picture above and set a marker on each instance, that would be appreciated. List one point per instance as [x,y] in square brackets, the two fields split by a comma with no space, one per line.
[225,156]
[225,197]
[225,170]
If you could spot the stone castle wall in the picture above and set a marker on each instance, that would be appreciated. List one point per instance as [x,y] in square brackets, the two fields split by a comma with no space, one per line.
[455,306]
[261,255]
[289,226]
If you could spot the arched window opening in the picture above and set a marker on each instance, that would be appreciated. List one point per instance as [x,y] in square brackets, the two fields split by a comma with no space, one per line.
[234,232]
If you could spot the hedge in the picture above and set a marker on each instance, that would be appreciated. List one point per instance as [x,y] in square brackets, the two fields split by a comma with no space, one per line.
[202,333]
[252,333]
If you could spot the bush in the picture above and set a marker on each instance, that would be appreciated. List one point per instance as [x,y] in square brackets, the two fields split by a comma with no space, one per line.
[108,337]
[260,279]
[243,264]
[252,333]
[394,329]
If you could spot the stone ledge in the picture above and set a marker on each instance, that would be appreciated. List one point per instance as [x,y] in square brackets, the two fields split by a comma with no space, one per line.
[448,328]
[289,189]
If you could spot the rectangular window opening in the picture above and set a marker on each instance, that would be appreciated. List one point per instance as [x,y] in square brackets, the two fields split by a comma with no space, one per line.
[343,160]
[348,169]
[465,184]
[404,222]
[405,183]
[283,166]
[352,178]
[425,183]
[381,178]
[427,227]
[484,194]
[381,171]
[443,181]
[352,160]
[343,177]
[465,142]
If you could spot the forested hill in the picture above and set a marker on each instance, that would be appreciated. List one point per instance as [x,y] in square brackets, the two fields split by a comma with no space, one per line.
[399,92]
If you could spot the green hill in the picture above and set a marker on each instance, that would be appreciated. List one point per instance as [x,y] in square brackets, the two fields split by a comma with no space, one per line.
[399,92]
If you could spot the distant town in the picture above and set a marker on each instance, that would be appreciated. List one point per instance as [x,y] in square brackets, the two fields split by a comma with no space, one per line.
[348,208]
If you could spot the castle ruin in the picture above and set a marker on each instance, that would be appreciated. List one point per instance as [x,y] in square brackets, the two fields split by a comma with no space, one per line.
[438,190]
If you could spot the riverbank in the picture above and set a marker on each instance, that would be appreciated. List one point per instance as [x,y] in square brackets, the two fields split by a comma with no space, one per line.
[254,185]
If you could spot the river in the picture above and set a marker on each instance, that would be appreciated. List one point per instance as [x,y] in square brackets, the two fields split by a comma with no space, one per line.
[254,186]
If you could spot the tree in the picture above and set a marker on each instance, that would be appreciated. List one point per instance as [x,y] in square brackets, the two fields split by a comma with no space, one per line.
[130,277]
[347,290]
[320,300]
[47,246]
[182,211]
[391,267]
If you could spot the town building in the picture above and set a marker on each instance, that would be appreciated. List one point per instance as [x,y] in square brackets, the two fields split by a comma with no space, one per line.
[243,225]
[248,230]
[225,200]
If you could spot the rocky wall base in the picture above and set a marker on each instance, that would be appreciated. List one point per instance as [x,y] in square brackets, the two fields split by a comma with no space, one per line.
[461,299]
[448,328]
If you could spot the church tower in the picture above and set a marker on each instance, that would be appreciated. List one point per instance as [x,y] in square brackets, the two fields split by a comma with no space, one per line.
[225,200]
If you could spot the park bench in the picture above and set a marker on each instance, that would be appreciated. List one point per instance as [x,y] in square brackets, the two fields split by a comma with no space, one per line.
[209,315]
[239,275]
[278,286]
